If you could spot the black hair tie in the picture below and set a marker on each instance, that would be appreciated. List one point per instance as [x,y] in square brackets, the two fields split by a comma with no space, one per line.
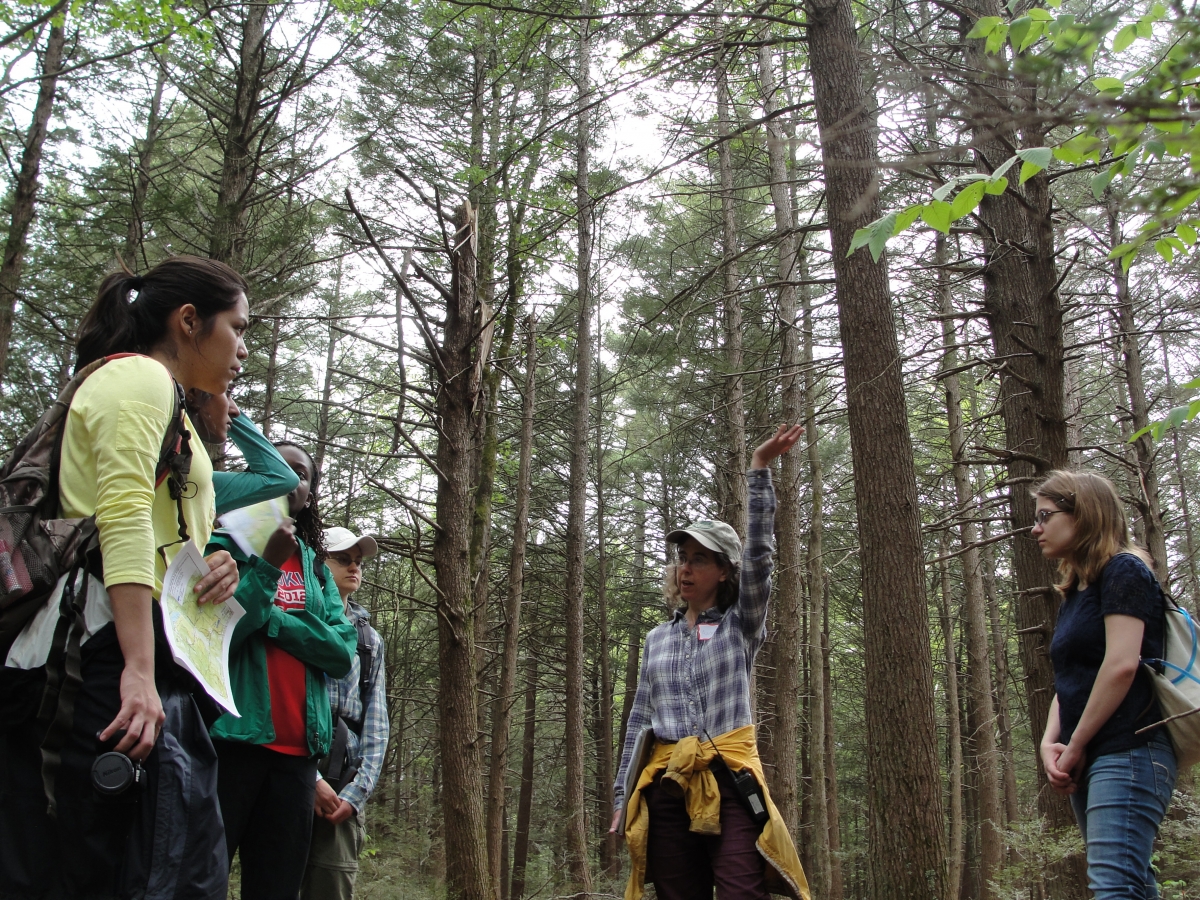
[136,282]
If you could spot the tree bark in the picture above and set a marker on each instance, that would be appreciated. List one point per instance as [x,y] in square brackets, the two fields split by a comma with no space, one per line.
[462,803]
[979,667]
[141,176]
[502,705]
[525,801]
[335,304]
[954,737]
[822,860]
[228,239]
[906,839]
[1024,314]
[25,190]
[836,885]
[574,810]
[609,861]
[272,374]
[633,651]
[736,512]
[790,570]
[1146,491]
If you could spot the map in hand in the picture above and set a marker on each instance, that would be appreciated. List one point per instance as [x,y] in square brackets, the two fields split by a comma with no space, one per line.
[199,634]
[252,526]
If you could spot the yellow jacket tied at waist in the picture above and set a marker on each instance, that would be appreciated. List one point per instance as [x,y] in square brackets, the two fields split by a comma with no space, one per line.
[686,763]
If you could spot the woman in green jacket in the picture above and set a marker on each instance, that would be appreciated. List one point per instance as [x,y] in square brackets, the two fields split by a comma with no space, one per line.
[294,633]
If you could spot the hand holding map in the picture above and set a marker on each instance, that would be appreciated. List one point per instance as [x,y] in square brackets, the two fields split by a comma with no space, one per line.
[199,635]
[252,526]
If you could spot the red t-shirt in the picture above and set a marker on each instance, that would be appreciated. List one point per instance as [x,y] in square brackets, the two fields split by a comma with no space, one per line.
[286,675]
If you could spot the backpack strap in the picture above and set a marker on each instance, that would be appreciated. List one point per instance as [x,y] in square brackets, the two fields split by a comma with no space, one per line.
[366,664]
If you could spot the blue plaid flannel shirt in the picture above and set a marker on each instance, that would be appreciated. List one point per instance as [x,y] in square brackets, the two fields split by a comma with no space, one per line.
[688,686]
[344,700]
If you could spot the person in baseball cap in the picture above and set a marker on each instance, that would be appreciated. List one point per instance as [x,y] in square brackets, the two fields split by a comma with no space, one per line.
[693,700]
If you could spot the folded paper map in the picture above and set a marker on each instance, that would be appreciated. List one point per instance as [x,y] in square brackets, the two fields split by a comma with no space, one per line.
[199,634]
[252,526]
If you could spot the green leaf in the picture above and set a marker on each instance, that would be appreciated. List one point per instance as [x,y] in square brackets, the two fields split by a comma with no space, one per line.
[1144,29]
[1109,85]
[1191,385]
[1101,180]
[1038,156]
[995,41]
[944,191]
[1156,148]
[966,201]
[1165,250]
[861,238]
[1054,4]
[881,231]
[1019,30]
[1005,166]
[1040,15]
[1124,38]
[1186,233]
[1035,160]
[907,217]
[997,186]
[984,27]
[936,214]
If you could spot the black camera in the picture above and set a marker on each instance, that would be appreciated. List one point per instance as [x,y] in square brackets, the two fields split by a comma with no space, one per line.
[744,782]
[114,773]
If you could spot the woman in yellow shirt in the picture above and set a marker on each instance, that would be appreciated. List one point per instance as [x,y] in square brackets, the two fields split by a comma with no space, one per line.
[185,320]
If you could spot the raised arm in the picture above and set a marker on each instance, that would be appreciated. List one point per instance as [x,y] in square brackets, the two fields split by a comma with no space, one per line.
[266,475]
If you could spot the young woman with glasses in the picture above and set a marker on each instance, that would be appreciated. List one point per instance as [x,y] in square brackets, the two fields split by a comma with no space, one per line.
[1112,616]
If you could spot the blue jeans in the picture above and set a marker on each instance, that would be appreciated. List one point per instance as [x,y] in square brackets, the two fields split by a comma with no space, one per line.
[1119,806]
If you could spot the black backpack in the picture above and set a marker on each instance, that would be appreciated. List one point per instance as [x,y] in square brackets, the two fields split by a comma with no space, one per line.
[37,545]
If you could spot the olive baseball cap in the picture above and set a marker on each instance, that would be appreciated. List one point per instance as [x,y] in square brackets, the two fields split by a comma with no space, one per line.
[716,536]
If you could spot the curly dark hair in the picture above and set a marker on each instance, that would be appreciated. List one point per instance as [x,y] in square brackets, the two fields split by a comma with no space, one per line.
[309,526]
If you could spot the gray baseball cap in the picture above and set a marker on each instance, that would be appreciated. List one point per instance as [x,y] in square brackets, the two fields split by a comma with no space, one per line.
[716,536]
[339,538]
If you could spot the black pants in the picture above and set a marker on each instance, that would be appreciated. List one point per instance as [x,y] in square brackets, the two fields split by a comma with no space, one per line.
[267,803]
[162,840]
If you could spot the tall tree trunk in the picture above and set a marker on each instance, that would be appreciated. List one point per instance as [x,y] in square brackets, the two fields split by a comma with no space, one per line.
[335,305]
[633,651]
[525,800]
[1146,491]
[227,241]
[790,571]
[736,512]
[462,803]
[574,810]
[836,885]
[609,861]
[25,190]
[1024,315]
[272,375]
[502,705]
[1177,460]
[906,839]
[141,175]
[822,860]
[979,667]
[954,737]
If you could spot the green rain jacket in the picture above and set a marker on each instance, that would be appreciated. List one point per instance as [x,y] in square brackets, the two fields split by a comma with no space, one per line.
[320,637]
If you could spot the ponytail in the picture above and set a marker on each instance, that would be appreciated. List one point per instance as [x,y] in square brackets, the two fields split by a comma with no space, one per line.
[131,311]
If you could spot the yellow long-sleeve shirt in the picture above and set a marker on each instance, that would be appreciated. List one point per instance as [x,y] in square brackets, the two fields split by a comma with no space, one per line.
[111,442]
[113,436]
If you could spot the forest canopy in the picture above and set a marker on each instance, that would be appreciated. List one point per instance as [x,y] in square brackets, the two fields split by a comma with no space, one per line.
[532,277]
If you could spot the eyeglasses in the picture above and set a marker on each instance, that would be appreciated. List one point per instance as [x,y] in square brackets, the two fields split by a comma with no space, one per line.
[1043,515]
[696,561]
[344,559]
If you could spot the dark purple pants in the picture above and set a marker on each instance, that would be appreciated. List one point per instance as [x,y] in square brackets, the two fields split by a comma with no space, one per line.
[687,866]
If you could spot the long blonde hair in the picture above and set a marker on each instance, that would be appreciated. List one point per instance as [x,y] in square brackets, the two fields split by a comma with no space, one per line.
[1101,529]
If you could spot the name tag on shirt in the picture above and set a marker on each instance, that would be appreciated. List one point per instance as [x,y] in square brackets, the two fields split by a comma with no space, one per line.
[705,630]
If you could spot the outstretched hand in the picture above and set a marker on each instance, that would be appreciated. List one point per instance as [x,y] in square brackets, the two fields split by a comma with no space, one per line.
[783,440]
